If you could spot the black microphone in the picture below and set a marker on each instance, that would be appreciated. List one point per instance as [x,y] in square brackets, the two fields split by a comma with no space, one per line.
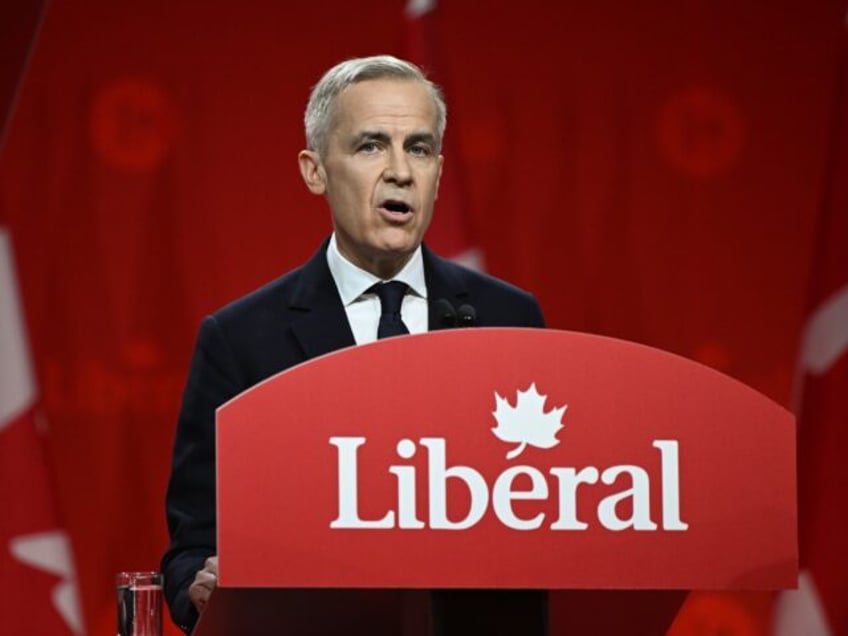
[466,316]
[444,314]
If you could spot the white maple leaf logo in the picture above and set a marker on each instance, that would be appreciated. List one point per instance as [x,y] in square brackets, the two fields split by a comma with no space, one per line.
[527,422]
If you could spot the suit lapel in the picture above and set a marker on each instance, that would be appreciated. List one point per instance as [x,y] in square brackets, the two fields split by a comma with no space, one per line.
[323,327]
[442,283]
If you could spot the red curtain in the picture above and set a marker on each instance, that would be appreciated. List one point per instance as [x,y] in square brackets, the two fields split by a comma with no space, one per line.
[652,171]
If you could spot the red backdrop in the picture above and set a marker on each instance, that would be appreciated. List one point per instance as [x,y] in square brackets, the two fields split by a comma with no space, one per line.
[652,171]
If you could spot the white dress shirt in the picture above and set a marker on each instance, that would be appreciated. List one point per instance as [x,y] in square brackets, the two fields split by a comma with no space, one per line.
[363,309]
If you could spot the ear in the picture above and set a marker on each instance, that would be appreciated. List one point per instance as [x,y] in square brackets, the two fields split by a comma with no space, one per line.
[439,176]
[312,171]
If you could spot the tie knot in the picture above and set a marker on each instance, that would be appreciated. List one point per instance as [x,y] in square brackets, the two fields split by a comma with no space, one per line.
[391,295]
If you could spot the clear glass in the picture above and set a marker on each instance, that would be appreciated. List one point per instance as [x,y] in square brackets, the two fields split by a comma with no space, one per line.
[139,603]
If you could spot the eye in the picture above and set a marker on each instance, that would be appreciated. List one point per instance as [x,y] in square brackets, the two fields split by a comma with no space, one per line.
[368,147]
[420,150]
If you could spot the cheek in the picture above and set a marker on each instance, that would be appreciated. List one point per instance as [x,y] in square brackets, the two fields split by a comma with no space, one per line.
[433,193]
[358,191]
[352,208]
[349,195]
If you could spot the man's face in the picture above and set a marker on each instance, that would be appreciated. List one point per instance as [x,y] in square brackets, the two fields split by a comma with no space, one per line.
[380,171]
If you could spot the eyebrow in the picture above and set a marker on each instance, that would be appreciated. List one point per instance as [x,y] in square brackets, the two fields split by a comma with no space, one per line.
[374,135]
[426,137]
[370,135]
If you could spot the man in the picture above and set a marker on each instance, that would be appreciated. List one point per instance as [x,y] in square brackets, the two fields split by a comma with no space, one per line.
[374,129]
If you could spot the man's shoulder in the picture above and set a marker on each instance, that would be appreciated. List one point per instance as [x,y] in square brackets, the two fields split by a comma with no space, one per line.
[274,295]
[470,279]
[279,297]
[256,335]
[476,280]
[496,301]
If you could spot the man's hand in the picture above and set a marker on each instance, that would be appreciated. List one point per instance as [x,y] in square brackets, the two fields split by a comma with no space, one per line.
[204,582]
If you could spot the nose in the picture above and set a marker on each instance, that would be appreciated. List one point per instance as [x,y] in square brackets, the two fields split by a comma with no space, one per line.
[397,170]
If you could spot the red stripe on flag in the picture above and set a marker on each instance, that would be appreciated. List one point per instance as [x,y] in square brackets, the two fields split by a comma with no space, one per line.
[823,416]
[37,588]
[36,585]
[451,231]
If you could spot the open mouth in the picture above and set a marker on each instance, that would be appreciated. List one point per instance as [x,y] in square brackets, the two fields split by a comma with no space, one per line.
[398,207]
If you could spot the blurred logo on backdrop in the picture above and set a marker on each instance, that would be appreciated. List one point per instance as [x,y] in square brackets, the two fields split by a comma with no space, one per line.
[139,381]
[133,124]
[701,132]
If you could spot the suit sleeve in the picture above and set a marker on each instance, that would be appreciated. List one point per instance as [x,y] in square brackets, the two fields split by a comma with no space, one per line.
[502,305]
[214,378]
[534,317]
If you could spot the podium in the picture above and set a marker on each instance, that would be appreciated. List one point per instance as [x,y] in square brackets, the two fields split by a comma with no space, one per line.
[467,481]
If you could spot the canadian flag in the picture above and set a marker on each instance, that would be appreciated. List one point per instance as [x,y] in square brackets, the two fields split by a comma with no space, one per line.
[37,587]
[451,233]
[820,605]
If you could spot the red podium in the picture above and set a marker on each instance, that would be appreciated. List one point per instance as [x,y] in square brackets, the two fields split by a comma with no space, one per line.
[505,460]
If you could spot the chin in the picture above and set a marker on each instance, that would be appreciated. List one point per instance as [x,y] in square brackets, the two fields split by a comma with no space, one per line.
[398,243]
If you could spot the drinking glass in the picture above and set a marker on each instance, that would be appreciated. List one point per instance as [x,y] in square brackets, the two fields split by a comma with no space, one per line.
[139,603]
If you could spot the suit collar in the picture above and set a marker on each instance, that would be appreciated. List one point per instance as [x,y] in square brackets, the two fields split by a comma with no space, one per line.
[323,326]
[442,277]
[443,283]
[352,281]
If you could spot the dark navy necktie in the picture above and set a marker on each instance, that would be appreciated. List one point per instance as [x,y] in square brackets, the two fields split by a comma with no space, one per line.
[391,297]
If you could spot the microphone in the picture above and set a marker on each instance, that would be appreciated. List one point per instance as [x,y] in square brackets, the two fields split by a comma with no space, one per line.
[466,316]
[444,314]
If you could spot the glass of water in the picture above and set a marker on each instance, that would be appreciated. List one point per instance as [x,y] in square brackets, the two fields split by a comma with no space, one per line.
[139,603]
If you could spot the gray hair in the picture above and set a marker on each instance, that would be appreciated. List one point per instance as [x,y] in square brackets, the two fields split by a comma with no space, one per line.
[318,118]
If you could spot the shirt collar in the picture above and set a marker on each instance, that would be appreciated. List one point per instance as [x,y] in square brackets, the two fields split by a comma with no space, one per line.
[353,281]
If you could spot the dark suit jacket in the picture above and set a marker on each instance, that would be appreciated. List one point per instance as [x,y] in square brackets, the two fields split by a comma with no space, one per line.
[292,319]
